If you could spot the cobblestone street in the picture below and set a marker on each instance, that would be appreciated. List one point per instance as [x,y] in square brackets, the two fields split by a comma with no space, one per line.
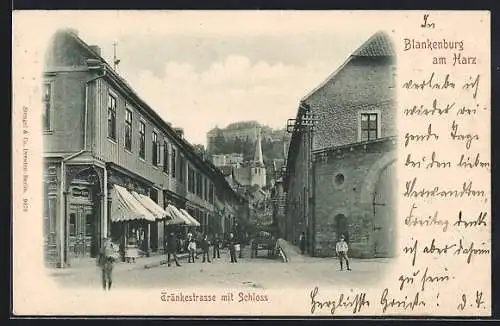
[264,273]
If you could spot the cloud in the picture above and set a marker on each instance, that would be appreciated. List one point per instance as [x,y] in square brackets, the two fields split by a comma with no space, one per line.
[232,89]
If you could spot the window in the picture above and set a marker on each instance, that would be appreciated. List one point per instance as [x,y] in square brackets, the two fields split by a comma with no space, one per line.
[46,106]
[174,161]
[165,157]
[142,139]
[339,179]
[155,149]
[111,117]
[205,189]
[182,169]
[369,126]
[211,193]
[199,184]
[72,224]
[190,179]
[128,130]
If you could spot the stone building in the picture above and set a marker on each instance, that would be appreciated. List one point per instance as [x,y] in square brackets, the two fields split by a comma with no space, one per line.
[340,175]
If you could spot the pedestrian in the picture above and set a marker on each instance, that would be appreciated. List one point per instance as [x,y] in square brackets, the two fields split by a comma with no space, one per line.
[302,243]
[240,245]
[232,248]
[216,243]
[188,240]
[106,259]
[172,249]
[341,248]
[205,246]
[191,250]
[80,245]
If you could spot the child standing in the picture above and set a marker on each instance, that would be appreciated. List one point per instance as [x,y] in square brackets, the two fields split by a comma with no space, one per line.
[341,248]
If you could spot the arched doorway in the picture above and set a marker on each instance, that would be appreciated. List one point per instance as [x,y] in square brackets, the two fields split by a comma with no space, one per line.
[341,227]
[384,211]
[83,215]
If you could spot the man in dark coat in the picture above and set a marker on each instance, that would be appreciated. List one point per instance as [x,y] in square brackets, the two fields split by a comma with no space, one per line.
[232,250]
[302,243]
[106,259]
[205,247]
[216,243]
[172,248]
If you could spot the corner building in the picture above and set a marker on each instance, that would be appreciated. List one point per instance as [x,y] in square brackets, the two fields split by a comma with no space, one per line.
[99,133]
[341,174]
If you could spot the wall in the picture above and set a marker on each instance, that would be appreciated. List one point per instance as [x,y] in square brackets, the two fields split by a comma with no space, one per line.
[361,169]
[363,84]
[66,112]
[296,195]
[114,151]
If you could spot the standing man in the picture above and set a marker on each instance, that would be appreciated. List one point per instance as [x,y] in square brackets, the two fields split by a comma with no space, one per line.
[216,246]
[232,248]
[106,260]
[341,248]
[302,243]
[205,246]
[172,249]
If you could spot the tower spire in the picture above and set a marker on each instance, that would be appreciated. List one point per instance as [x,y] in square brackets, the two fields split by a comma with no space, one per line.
[258,150]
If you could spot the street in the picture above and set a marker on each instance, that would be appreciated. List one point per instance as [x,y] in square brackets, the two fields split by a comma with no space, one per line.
[263,273]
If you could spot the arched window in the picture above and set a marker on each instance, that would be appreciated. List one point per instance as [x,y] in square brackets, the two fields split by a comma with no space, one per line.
[341,227]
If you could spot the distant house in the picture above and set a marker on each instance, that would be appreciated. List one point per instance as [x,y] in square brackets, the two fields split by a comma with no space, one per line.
[340,176]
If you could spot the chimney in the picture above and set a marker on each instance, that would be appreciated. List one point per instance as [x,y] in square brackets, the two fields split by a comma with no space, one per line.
[72,31]
[96,49]
[179,132]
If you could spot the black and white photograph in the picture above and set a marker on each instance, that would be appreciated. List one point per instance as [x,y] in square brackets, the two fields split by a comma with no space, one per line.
[256,154]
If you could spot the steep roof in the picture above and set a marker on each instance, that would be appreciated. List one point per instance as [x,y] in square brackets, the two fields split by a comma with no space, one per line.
[378,45]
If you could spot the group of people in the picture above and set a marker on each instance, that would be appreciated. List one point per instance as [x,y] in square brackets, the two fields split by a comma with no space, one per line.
[341,248]
[205,244]
[109,253]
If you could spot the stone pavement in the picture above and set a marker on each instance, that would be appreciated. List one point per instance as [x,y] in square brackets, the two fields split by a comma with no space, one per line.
[86,265]
[293,254]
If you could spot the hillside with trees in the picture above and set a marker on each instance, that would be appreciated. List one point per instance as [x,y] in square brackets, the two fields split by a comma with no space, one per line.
[273,142]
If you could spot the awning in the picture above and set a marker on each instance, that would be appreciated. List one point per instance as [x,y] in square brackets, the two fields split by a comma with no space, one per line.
[125,207]
[192,219]
[177,217]
[154,208]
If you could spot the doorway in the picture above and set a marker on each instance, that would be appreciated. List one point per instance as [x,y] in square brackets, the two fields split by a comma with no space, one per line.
[384,213]
[341,227]
[82,233]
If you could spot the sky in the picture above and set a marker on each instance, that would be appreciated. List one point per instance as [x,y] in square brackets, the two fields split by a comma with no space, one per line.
[199,70]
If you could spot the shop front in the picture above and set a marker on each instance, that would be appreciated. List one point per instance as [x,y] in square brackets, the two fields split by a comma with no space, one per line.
[130,223]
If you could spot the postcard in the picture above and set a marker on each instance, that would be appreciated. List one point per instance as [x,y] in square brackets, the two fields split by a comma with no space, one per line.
[251,163]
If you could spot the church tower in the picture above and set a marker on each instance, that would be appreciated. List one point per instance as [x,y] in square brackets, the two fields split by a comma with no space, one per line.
[258,169]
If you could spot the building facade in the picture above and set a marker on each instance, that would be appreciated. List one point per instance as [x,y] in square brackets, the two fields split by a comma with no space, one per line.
[234,160]
[98,133]
[340,177]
